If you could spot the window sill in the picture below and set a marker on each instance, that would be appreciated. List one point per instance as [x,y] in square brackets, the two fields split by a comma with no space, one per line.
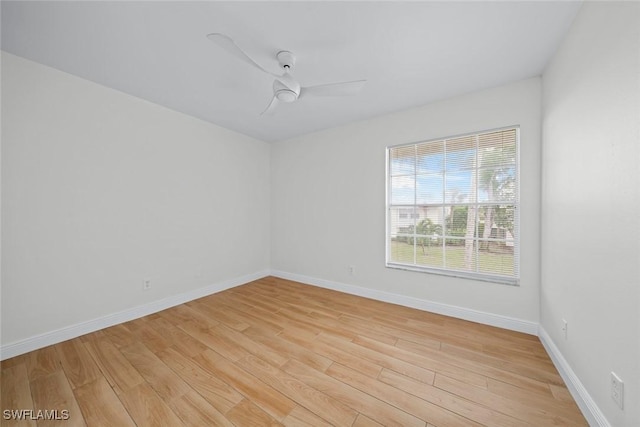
[512,281]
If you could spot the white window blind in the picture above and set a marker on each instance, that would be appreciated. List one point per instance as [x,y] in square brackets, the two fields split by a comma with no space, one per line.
[452,206]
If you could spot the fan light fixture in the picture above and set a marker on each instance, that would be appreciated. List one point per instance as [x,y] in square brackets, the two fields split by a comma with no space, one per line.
[286,95]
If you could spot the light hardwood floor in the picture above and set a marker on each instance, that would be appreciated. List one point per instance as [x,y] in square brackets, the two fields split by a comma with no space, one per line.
[276,352]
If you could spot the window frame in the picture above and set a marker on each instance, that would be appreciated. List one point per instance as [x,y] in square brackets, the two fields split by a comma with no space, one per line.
[444,271]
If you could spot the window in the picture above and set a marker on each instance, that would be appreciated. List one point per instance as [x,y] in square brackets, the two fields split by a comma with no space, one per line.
[452,206]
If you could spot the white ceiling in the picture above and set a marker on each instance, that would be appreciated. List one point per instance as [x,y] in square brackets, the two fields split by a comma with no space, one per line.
[411,53]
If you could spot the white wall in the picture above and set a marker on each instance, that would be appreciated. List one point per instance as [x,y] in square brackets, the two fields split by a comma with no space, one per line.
[328,200]
[101,189]
[591,204]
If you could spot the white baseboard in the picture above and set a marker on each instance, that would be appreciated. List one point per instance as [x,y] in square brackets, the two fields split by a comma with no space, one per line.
[587,405]
[485,318]
[73,331]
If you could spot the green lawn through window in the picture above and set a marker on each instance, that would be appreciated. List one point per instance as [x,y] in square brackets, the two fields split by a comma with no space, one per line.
[491,262]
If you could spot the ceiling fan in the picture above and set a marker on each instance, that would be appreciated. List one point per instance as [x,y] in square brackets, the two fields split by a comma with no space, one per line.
[285,87]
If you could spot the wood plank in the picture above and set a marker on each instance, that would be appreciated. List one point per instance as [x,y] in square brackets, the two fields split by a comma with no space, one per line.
[219,394]
[364,328]
[390,330]
[263,395]
[195,411]
[320,403]
[302,417]
[16,393]
[313,305]
[213,339]
[253,319]
[546,402]
[152,339]
[506,389]
[290,349]
[472,367]
[246,413]
[249,345]
[285,313]
[100,406]
[561,393]
[94,336]
[359,400]
[53,393]
[183,313]
[385,360]
[164,381]
[423,358]
[77,363]
[403,382]
[13,361]
[270,319]
[114,366]
[219,314]
[120,335]
[466,331]
[516,352]
[536,370]
[420,408]
[337,355]
[467,408]
[364,421]
[328,326]
[522,411]
[42,362]
[188,344]
[147,409]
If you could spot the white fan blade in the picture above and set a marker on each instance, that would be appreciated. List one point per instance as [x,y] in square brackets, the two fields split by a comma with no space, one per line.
[230,46]
[334,89]
[271,108]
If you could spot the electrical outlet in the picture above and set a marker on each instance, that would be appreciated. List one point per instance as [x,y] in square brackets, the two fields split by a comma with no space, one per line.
[146,284]
[352,270]
[617,389]
[565,326]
